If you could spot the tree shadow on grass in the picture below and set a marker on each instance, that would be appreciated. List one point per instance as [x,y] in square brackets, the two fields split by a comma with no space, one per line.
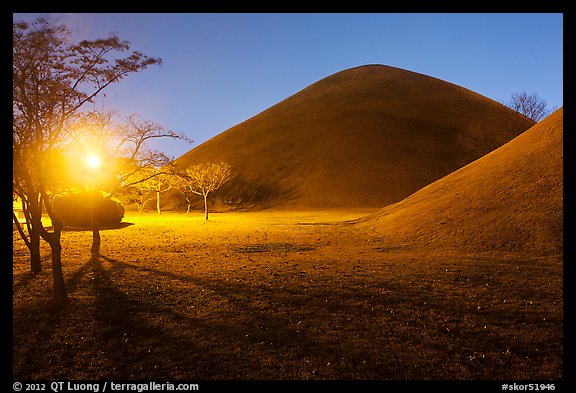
[126,332]
[255,331]
[38,349]
[107,335]
[231,342]
[24,280]
[142,322]
[306,330]
[101,227]
[131,342]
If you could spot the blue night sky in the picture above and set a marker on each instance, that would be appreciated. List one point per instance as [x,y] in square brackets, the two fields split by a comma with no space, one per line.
[221,69]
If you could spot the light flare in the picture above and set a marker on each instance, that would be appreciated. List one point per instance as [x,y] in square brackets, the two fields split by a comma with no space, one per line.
[93,161]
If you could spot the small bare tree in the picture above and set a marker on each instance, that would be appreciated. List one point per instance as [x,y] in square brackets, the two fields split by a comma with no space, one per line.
[529,105]
[202,179]
[151,180]
[182,184]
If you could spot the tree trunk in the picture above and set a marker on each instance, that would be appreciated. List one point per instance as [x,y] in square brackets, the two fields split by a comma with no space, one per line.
[32,241]
[34,215]
[35,261]
[188,203]
[95,249]
[206,206]
[140,203]
[53,240]
[158,202]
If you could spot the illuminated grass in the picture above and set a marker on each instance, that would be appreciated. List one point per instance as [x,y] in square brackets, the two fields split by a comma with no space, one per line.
[172,297]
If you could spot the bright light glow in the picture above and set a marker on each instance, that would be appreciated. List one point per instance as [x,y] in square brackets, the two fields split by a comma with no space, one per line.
[93,161]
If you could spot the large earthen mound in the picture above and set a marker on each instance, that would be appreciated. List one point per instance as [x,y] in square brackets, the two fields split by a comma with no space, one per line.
[364,137]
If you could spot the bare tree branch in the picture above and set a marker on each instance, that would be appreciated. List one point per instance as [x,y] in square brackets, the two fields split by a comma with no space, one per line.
[529,105]
[203,179]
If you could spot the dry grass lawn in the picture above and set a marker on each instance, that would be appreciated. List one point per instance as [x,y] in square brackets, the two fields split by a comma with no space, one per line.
[283,295]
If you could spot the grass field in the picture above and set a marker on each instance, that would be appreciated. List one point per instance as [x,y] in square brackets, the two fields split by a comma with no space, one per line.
[283,295]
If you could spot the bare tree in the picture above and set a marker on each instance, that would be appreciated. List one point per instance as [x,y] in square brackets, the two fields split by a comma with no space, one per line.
[182,184]
[203,179]
[529,105]
[53,79]
[132,145]
[151,180]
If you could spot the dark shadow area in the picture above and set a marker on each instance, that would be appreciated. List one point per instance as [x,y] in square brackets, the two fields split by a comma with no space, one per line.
[240,341]
[273,247]
[101,227]
[23,281]
[199,326]
[242,193]
[132,344]
[73,282]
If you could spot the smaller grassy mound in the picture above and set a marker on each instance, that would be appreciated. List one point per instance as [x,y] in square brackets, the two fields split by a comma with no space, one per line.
[508,200]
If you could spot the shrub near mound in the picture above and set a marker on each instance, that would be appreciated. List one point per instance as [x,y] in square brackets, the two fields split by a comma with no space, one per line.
[75,209]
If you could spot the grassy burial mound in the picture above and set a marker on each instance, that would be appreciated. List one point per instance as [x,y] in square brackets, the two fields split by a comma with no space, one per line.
[511,200]
[364,137]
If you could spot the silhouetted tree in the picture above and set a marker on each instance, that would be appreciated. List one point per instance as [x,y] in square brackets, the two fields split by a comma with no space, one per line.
[53,79]
[529,105]
[203,179]
[132,145]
